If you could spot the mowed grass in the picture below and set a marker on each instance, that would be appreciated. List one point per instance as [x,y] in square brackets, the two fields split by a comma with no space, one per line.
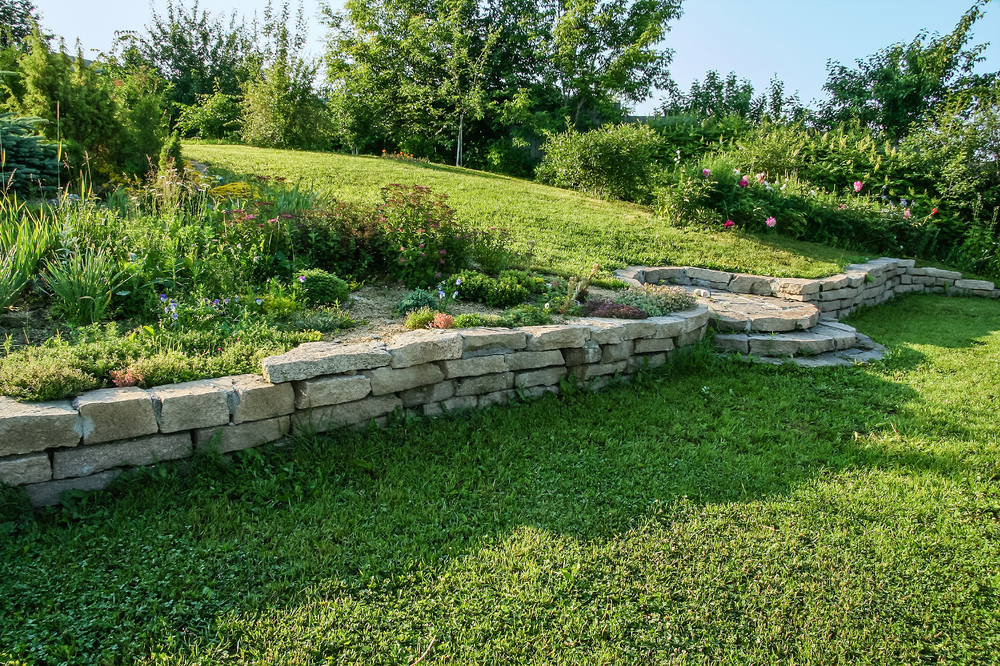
[718,513]
[571,231]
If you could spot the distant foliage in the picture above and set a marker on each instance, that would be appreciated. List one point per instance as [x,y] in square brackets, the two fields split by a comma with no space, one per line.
[17,18]
[614,161]
[214,117]
[29,163]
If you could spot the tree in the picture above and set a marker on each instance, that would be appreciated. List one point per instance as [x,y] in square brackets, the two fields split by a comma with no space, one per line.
[718,97]
[897,86]
[17,18]
[606,51]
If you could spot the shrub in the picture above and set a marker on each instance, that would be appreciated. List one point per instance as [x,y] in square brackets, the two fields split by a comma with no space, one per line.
[29,162]
[343,238]
[84,283]
[527,315]
[170,155]
[215,116]
[442,320]
[614,161]
[415,300]
[495,292]
[326,320]
[655,300]
[425,240]
[322,288]
[473,319]
[419,318]
[604,308]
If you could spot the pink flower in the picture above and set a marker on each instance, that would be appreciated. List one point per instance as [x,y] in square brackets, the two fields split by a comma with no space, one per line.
[743,182]
[442,261]
[706,173]
[770,222]
[443,252]
[858,185]
[251,217]
[760,178]
[728,224]
[934,211]
[906,213]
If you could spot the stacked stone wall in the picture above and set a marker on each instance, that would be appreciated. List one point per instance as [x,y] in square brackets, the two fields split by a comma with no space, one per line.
[52,447]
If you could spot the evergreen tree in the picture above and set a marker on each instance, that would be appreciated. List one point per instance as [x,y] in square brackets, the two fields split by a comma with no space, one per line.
[28,163]
[17,18]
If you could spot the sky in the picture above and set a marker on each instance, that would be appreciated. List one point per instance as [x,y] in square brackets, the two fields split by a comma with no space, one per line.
[757,39]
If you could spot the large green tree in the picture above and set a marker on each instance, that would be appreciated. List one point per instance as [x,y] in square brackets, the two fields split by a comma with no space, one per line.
[17,18]
[896,87]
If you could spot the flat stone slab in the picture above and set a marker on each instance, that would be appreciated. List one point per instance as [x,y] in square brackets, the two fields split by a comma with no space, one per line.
[745,313]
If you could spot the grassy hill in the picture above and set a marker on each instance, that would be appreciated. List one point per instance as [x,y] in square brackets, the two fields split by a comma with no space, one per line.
[571,231]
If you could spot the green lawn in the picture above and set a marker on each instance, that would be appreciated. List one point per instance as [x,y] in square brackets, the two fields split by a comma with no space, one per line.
[712,514]
[572,231]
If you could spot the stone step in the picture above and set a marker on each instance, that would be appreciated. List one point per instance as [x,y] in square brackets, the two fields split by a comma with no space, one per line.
[817,339]
[746,313]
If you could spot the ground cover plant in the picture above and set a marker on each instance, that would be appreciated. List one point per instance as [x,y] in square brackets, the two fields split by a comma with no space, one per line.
[718,513]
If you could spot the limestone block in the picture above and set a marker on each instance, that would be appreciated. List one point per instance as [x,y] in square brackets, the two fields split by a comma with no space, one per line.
[36,426]
[943,274]
[719,277]
[604,331]
[689,338]
[666,274]
[855,279]
[426,394]
[254,399]
[906,263]
[981,293]
[791,343]
[842,339]
[828,306]
[111,414]
[834,282]
[588,353]
[615,353]
[641,328]
[653,346]
[694,318]
[545,338]
[459,403]
[586,372]
[476,339]
[536,392]
[190,405]
[321,419]
[630,274]
[47,494]
[737,342]
[750,284]
[888,263]
[795,286]
[905,279]
[974,284]
[835,294]
[917,271]
[531,360]
[244,436]
[648,361]
[669,326]
[496,398]
[425,346]
[87,460]
[544,377]
[390,380]
[25,469]
[484,384]
[473,367]
[321,391]
[313,359]
[925,280]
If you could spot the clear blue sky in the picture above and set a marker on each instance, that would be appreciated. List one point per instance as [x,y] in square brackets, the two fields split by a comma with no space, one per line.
[755,38]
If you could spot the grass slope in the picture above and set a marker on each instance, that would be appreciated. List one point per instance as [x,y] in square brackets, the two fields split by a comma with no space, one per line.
[725,514]
[572,231]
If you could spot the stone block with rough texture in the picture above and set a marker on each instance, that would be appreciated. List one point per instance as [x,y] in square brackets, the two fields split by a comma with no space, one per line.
[943,274]
[669,326]
[588,353]
[647,361]
[689,338]
[254,399]
[111,414]
[427,394]
[451,405]
[484,384]
[640,328]
[47,494]
[322,419]
[322,391]
[694,318]
[244,436]
[667,274]
[737,342]
[495,398]
[544,377]
[536,392]
[36,426]
[473,367]
[393,380]
[531,360]
[708,275]
[615,353]
[190,405]
[653,346]
[750,284]
[974,284]
[313,359]
[476,339]
[87,460]
[795,286]
[833,283]
[586,372]
[24,469]
[424,346]
[603,331]
[545,338]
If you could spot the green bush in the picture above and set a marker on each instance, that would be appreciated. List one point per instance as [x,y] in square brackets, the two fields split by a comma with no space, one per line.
[527,315]
[29,163]
[322,288]
[504,291]
[657,301]
[170,155]
[614,161]
[214,117]
[419,318]
[473,319]
[415,300]
[84,283]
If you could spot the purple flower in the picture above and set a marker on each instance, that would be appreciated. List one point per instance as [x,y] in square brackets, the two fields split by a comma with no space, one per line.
[302,278]
[251,217]
[163,298]
[444,252]
[437,275]
[743,182]
[728,224]
[258,301]
[706,173]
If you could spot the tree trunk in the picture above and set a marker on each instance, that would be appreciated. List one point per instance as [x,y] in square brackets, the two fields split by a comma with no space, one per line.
[458,153]
[579,107]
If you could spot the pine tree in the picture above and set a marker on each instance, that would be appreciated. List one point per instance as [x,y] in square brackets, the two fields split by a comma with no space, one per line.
[28,163]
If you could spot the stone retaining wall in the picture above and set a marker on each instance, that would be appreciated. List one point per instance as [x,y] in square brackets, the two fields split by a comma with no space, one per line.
[836,296]
[52,447]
